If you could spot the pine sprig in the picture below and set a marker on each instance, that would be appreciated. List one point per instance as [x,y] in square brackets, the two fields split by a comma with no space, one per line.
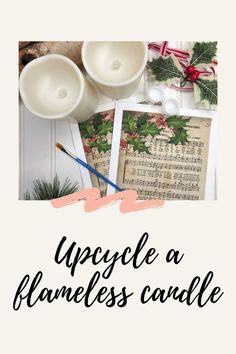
[43,190]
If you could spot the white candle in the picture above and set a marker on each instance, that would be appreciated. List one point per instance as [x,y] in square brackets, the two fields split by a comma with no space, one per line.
[53,87]
[171,106]
[116,67]
[155,94]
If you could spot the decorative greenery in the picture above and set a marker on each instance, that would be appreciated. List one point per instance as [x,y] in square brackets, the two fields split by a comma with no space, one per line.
[43,190]
[168,70]
[87,129]
[177,122]
[180,137]
[128,123]
[140,126]
[206,90]
[142,120]
[137,129]
[95,133]
[105,128]
[165,68]
[97,120]
[101,145]
[138,144]
[203,53]
[149,128]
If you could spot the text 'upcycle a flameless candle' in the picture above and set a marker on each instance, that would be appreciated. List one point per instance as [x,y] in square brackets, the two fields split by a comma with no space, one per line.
[115,67]
[53,87]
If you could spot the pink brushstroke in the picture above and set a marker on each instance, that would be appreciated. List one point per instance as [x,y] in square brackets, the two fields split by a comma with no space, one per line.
[93,200]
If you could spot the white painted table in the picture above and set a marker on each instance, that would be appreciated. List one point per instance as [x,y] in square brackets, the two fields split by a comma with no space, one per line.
[40,159]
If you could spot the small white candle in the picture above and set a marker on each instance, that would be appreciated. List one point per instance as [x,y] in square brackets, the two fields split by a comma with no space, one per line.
[155,94]
[53,87]
[171,106]
[116,67]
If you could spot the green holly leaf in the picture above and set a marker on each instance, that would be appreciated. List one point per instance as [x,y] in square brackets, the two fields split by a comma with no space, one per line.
[149,128]
[205,90]
[179,137]
[101,145]
[176,122]
[166,69]
[86,129]
[141,120]
[203,53]
[138,145]
[105,127]
[128,123]
[97,120]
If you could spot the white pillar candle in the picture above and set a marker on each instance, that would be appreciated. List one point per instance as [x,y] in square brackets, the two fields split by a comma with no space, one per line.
[116,67]
[53,87]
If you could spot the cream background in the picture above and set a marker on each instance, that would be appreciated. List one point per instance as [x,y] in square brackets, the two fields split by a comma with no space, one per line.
[204,231]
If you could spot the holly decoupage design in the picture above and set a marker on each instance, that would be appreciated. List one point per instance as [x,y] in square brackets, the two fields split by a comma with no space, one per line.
[163,157]
[196,71]
[96,134]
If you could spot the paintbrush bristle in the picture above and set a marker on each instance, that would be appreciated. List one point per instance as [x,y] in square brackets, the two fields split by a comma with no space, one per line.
[59,146]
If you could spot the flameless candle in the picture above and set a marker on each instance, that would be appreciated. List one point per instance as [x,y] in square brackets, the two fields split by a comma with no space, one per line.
[116,67]
[53,87]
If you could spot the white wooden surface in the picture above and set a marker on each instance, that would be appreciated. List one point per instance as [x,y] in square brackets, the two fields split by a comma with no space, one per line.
[40,159]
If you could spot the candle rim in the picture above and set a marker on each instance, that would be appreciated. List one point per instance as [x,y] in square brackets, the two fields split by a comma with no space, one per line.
[105,83]
[41,59]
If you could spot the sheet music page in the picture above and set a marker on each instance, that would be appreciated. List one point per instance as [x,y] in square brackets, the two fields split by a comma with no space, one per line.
[157,166]
[96,134]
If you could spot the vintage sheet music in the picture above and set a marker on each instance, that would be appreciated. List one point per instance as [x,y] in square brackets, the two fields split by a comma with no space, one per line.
[96,134]
[163,157]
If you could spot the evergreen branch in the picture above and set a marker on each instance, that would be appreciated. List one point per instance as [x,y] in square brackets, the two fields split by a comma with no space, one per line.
[43,190]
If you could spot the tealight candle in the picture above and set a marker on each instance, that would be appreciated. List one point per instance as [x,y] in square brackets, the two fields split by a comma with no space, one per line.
[155,94]
[115,67]
[171,106]
[53,87]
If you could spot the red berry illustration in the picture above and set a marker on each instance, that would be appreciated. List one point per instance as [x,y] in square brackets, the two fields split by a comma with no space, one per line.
[87,149]
[123,143]
[190,69]
[132,135]
[94,138]
[161,122]
[196,72]
[194,76]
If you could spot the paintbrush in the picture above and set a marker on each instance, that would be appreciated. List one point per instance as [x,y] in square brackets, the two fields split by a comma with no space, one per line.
[84,164]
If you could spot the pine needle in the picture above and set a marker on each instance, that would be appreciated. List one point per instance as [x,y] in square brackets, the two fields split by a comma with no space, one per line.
[43,190]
